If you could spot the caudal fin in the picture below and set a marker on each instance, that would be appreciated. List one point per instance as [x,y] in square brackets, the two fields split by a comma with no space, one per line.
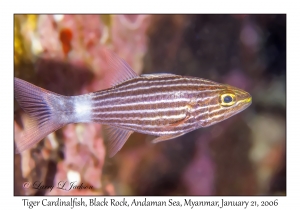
[45,113]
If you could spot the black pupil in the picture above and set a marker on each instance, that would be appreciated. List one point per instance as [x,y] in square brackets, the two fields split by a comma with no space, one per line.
[227,99]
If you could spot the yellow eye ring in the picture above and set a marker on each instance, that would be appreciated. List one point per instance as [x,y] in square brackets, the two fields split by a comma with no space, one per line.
[227,99]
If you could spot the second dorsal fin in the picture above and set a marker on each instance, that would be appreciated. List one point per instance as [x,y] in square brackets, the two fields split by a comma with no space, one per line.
[160,75]
[118,69]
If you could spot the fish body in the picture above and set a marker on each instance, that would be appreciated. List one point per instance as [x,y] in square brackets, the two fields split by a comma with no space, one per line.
[163,105]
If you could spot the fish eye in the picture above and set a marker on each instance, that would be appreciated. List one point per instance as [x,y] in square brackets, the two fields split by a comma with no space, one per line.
[227,99]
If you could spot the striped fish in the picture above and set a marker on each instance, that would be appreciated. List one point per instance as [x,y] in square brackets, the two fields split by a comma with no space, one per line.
[163,105]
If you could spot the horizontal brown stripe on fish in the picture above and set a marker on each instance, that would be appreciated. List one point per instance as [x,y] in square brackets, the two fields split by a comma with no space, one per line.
[152,96]
[152,87]
[167,80]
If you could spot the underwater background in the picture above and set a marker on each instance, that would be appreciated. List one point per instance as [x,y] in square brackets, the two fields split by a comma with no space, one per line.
[243,155]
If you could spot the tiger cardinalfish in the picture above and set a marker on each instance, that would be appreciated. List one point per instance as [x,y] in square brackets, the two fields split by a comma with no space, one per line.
[163,105]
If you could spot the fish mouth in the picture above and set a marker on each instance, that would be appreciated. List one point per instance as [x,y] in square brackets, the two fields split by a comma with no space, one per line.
[245,103]
[246,100]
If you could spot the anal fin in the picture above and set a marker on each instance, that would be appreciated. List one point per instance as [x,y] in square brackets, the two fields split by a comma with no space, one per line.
[116,138]
[166,137]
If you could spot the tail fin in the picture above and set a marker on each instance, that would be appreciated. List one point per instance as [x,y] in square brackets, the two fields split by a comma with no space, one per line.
[45,110]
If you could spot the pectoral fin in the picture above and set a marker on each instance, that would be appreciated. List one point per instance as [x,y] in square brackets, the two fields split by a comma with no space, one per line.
[116,138]
[166,137]
[178,122]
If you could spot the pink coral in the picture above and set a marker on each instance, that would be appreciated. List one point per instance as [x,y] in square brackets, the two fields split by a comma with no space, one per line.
[77,40]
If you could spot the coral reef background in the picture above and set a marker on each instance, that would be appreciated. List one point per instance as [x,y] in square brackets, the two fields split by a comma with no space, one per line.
[244,155]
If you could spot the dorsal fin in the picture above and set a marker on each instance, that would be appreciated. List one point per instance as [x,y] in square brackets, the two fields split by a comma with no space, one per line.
[118,70]
[160,75]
